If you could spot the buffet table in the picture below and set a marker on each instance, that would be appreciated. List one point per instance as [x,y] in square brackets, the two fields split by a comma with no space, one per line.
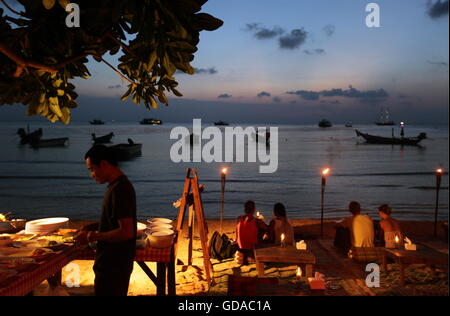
[30,275]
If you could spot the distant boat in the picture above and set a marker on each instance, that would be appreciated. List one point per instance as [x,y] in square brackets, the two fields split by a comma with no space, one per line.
[96,122]
[127,151]
[325,123]
[150,121]
[372,139]
[102,139]
[27,138]
[221,123]
[385,119]
[51,142]
[349,124]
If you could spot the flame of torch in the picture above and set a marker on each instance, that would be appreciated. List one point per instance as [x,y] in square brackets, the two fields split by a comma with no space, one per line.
[224,171]
[282,237]
[325,171]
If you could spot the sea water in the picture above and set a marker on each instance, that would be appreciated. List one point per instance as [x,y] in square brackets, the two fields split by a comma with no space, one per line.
[36,183]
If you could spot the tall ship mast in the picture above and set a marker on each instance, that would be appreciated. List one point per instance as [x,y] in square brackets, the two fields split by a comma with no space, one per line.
[385,118]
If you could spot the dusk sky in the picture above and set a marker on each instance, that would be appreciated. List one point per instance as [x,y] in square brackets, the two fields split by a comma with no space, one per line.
[290,61]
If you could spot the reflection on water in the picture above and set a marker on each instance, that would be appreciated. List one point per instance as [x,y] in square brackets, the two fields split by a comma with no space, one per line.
[54,181]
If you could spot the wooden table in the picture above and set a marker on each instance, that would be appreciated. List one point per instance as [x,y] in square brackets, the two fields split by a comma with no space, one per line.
[423,255]
[288,254]
[165,266]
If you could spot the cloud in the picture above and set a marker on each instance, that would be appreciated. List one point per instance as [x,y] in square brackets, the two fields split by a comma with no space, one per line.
[263,94]
[437,9]
[117,86]
[276,99]
[355,93]
[224,96]
[263,33]
[317,51]
[293,40]
[306,95]
[368,96]
[209,71]
[438,63]
[329,30]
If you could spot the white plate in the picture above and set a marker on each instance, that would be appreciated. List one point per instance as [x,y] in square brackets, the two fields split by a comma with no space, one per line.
[160,220]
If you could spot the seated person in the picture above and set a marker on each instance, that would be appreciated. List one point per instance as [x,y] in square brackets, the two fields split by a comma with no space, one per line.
[359,229]
[280,225]
[249,230]
[390,227]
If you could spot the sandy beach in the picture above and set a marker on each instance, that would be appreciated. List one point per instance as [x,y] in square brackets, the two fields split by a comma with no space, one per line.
[344,276]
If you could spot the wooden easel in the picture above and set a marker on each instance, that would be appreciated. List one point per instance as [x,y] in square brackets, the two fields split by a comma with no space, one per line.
[191,196]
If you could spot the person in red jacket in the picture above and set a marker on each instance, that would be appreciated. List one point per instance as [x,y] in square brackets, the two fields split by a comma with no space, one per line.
[249,231]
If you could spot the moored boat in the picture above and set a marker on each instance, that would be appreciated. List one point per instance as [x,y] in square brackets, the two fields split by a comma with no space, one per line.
[127,151]
[96,122]
[372,139]
[102,139]
[385,119]
[325,123]
[221,123]
[26,138]
[150,121]
[51,142]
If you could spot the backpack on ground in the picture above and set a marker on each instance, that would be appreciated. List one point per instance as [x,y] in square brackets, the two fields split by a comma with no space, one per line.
[220,247]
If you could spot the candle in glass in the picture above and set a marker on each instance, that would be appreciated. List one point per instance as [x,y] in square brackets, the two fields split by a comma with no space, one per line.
[282,240]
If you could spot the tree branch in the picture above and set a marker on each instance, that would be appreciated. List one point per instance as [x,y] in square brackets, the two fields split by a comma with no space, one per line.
[22,63]
[125,47]
[11,9]
[115,70]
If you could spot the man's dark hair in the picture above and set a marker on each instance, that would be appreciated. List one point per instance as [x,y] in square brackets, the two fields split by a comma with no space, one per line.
[97,153]
[279,210]
[354,208]
[249,207]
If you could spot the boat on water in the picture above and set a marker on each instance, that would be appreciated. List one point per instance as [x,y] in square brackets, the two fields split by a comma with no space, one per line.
[102,139]
[221,123]
[51,142]
[150,121]
[325,123]
[127,151]
[349,124]
[385,119]
[372,139]
[27,137]
[96,122]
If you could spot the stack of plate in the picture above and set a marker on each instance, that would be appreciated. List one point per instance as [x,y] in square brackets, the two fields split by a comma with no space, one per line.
[160,232]
[46,225]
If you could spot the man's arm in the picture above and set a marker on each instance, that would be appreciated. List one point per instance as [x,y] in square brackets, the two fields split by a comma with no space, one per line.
[123,233]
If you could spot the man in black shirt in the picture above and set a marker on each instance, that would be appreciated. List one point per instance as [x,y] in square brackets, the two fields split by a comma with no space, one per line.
[116,235]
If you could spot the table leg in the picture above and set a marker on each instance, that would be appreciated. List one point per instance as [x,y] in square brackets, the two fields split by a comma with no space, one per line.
[309,270]
[385,268]
[402,274]
[161,279]
[171,278]
[260,268]
[55,280]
